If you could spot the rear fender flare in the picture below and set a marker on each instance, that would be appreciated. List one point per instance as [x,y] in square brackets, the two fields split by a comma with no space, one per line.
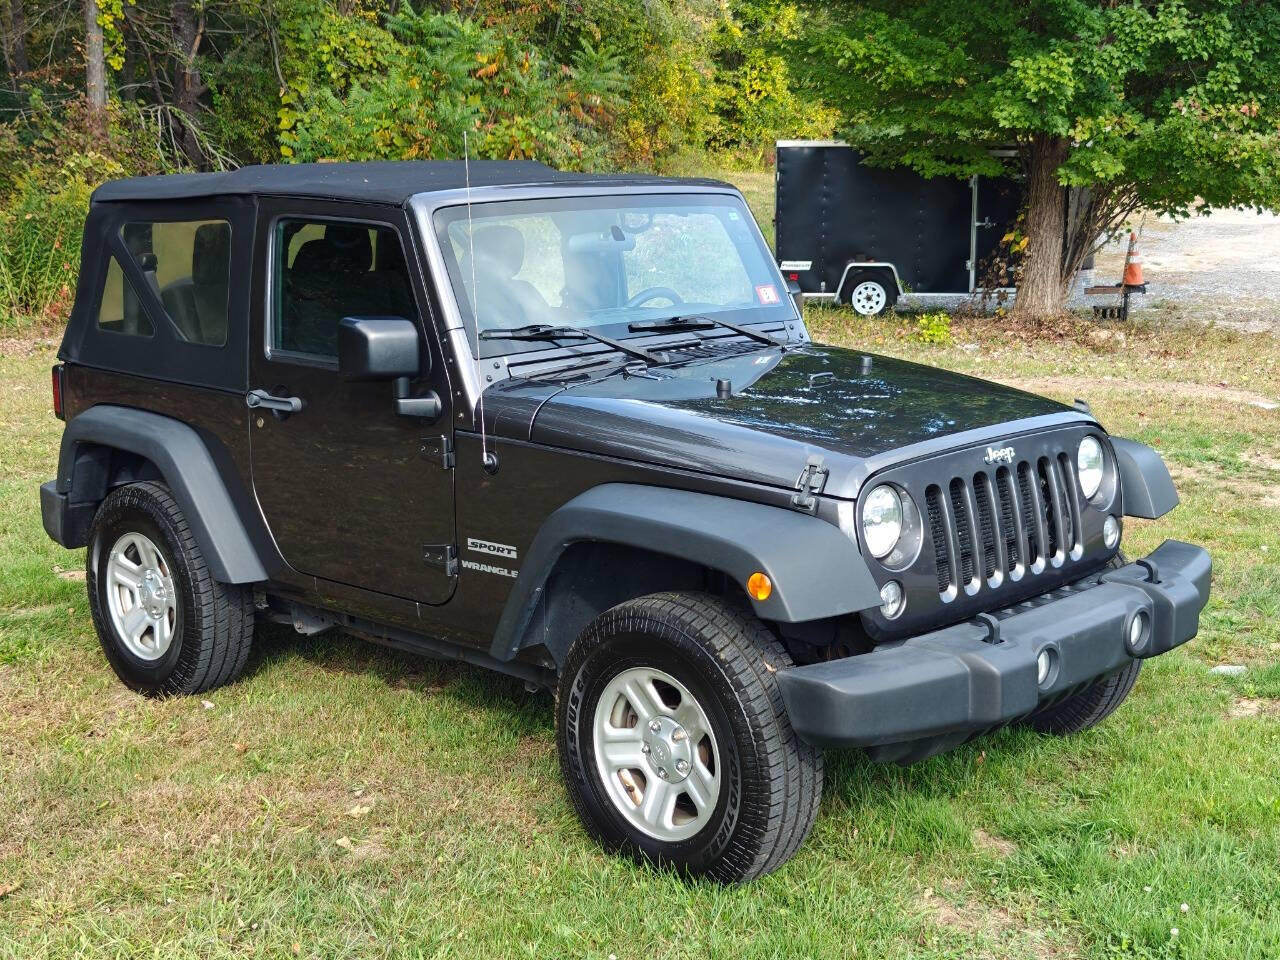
[183,462]
[817,572]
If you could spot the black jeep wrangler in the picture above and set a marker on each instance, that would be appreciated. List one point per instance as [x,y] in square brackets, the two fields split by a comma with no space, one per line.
[572,428]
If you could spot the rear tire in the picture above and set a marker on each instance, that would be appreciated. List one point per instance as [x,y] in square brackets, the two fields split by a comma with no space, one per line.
[165,625]
[685,682]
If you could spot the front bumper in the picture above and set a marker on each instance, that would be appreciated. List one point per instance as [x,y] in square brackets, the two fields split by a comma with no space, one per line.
[907,700]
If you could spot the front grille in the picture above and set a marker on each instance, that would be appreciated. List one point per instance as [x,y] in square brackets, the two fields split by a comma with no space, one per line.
[992,535]
[1003,523]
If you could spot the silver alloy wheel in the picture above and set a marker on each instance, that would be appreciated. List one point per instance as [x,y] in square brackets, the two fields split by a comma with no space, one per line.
[656,754]
[869,298]
[142,597]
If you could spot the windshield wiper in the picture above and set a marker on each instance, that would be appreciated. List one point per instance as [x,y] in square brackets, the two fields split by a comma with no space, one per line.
[544,331]
[701,322]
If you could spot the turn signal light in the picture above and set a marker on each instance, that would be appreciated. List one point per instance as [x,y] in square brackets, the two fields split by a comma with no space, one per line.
[759,586]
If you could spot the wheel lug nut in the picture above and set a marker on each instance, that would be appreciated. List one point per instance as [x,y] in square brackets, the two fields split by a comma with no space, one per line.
[644,748]
[678,734]
[655,726]
[682,766]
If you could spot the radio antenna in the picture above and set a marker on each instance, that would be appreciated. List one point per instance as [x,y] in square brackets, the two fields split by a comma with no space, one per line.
[489,460]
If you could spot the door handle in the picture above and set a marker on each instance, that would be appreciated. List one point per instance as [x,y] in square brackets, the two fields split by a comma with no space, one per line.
[262,400]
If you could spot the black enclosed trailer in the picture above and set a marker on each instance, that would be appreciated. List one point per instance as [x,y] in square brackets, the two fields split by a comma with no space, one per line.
[863,235]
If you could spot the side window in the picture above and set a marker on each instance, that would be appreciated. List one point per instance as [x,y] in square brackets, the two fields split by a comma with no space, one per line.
[121,311]
[187,263]
[327,270]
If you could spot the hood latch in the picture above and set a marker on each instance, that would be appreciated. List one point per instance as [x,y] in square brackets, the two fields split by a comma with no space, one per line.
[810,482]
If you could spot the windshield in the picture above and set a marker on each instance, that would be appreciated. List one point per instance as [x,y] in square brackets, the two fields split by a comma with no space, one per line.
[606,262]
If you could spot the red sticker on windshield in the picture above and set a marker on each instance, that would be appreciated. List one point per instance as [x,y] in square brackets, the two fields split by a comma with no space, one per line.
[767,293]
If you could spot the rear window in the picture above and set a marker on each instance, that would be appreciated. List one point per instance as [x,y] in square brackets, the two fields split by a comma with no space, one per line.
[121,311]
[187,264]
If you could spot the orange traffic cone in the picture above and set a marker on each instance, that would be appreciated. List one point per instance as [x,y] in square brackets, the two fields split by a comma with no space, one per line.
[1133,264]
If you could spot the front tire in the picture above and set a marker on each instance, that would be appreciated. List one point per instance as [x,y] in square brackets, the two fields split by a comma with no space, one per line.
[165,625]
[1090,706]
[674,741]
[1094,703]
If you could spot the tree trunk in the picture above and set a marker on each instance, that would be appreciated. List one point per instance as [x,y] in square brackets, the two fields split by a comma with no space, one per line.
[95,86]
[1041,291]
[188,31]
[15,45]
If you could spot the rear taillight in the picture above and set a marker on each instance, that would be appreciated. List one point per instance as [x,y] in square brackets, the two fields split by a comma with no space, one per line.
[57,391]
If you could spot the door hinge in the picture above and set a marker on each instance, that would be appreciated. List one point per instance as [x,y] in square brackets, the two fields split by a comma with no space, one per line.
[437,449]
[442,555]
[810,482]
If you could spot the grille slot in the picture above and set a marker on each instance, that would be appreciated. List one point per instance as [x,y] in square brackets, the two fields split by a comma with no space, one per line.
[1003,524]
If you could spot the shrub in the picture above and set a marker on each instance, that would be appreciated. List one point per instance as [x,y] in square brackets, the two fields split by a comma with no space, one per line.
[41,223]
[933,328]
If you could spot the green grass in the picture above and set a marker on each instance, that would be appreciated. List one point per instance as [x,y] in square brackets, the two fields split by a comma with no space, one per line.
[346,801]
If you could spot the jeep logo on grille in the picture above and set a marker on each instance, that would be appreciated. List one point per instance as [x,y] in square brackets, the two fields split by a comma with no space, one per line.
[999,455]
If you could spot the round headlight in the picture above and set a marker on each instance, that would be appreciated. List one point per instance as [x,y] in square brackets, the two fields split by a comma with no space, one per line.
[1089,466]
[881,520]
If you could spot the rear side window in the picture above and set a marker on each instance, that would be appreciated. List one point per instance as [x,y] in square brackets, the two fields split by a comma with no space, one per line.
[187,264]
[121,311]
[327,270]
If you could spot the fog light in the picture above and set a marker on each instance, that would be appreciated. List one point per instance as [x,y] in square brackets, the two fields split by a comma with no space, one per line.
[892,599]
[1110,532]
[1139,631]
[1044,665]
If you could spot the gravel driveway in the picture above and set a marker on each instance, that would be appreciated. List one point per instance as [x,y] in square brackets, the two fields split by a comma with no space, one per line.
[1223,268]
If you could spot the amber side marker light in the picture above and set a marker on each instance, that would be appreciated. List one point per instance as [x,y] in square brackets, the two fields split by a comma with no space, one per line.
[759,586]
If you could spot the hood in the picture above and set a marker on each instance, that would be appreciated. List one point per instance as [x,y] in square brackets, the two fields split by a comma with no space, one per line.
[771,411]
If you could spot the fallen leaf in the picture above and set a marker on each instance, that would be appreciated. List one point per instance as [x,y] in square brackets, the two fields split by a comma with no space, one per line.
[360,809]
[240,747]
[8,888]
[207,704]
[344,843]
[76,575]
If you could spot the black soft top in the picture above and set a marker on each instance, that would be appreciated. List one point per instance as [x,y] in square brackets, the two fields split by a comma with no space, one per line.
[368,182]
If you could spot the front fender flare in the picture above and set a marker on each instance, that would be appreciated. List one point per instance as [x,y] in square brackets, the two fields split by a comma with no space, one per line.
[817,571]
[188,469]
[1145,483]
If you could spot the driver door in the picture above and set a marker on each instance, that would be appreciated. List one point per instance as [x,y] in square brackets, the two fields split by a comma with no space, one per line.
[349,488]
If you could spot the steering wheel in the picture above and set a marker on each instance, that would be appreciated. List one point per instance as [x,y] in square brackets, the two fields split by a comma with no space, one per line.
[651,293]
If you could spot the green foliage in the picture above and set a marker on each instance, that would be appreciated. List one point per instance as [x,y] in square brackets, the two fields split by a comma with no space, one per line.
[933,328]
[40,230]
[1169,99]
[412,88]
[756,102]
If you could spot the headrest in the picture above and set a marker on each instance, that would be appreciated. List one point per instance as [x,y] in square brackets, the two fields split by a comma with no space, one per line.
[314,256]
[354,251]
[500,249]
[211,253]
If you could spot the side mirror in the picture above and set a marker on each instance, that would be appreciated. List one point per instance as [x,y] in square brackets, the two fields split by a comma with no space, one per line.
[797,297]
[386,348]
[377,348]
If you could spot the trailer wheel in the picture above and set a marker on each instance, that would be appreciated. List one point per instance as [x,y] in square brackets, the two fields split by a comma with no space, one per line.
[870,295]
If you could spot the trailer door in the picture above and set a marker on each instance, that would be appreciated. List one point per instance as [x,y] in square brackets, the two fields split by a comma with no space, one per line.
[996,201]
